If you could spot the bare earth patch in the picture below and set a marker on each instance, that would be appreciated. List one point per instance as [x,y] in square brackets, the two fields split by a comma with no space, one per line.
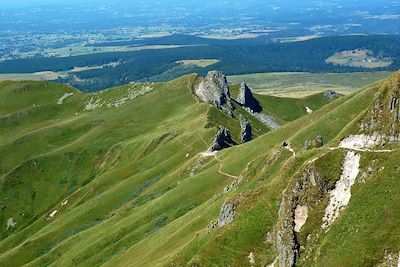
[340,196]
[359,58]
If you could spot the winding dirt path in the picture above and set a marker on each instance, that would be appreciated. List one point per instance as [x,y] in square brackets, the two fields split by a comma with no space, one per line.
[214,154]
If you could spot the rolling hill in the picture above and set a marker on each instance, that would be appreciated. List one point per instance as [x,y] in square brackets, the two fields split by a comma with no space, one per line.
[139,175]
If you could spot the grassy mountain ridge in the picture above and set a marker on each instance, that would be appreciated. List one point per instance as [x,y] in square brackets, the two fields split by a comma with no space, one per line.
[124,172]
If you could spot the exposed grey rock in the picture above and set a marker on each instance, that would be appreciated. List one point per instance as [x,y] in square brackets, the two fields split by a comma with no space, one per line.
[10,223]
[214,89]
[223,139]
[234,184]
[310,175]
[250,104]
[246,131]
[269,238]
[274,158]
[393,102]
[307,144]
[227,214]
[228,109]
[364,126]
[292,216]
[319,141]
[329,94]
[285,238]
[365,175]
[246,99]
[213,225]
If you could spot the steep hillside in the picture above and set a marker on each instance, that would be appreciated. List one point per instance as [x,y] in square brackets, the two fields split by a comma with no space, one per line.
[136,176]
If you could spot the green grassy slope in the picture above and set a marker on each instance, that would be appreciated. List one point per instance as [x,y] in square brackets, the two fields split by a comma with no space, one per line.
[131,189]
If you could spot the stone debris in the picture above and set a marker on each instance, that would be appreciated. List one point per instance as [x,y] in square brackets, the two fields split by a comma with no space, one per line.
[94,103]
[300,217]
[132,94]
[234,184]
[365,175]
[213,225]
[362,141]
[10,223]
[340,196]
[264,119]
[63,97]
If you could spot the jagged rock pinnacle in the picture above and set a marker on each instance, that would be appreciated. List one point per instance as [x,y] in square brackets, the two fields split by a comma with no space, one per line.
[246,131]
[213,89]
[223,139]
[246,99]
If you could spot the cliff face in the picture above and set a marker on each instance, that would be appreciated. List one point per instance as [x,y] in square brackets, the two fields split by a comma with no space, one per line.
[246,99]
[214,89]
[381,123]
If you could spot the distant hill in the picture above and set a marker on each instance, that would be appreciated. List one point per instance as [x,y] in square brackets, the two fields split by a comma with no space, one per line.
[233,56]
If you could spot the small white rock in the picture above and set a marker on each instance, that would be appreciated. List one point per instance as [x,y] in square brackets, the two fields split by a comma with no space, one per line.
[251,258]
[52,214]
[309,110]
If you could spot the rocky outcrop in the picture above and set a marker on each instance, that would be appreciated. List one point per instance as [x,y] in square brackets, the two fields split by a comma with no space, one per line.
[329,94]
[381,123]
[10,223]
[223,139]
[246,99]
[293,213]
[246,130]
[214,89]
[285,239]
[227,214]
[318,142]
